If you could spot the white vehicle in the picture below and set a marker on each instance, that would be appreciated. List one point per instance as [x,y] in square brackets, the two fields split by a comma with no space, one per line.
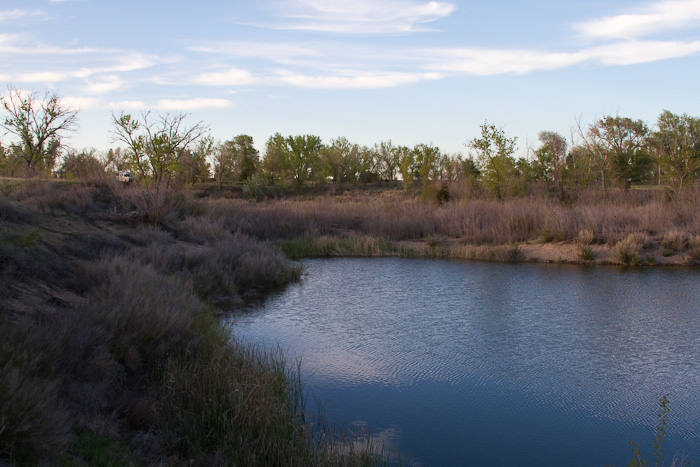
[124,176]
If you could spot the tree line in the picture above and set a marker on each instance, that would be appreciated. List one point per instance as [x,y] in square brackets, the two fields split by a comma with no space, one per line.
[612,151]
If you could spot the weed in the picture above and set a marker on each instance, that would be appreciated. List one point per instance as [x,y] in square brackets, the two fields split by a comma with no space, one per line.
[674,241]
[586,253]
[693,255]
[545,235]
[628,250]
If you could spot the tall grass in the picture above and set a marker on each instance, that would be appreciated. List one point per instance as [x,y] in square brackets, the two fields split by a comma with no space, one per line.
[481,221]
[109,349]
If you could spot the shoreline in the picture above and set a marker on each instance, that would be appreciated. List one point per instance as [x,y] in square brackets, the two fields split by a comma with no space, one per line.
[565,252]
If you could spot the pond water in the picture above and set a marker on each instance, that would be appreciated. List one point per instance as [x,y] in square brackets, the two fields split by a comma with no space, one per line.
[467,363]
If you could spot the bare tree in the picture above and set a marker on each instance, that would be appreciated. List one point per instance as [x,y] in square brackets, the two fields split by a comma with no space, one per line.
[155,145]
[38,124]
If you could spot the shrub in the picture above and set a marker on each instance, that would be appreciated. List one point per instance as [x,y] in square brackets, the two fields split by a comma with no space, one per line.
[586,253]
[33,423]
[628,250]
[585,236]
[673,242]
[693,255]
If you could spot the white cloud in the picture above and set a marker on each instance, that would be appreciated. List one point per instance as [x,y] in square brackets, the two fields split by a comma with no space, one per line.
[278,52]
[18,14]
[360,80]
[230,77]
[14,44]
[43,77]
[499,61]
[127,105]
[364,16]
[104,85]
[656,17]
[632,52]
[193,104]
[82,103]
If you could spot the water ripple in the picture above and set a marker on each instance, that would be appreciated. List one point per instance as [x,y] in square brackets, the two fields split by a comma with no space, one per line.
[531,354]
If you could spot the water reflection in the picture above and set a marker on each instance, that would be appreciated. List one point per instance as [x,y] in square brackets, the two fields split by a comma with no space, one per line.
[495,364]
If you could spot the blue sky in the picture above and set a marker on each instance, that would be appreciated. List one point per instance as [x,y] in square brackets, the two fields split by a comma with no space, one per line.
[412,71]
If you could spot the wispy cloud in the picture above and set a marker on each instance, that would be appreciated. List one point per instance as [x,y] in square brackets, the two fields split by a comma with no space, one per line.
[498,61]
[82,103]
[230,77]
[277,52]
[15,44]
[19,14]
[650,19]
[193,104]
[104,85]
[358,80]
[362,16]
[633,52]
[127,105]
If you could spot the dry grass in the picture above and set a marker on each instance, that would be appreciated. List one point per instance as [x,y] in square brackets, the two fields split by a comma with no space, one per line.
[477,222]
[629,249]
[109,352]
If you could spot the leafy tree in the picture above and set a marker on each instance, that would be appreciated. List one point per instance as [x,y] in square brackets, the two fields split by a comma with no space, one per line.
[617,147]
[494,153]
[155,145]
[388,159]
[579,171]
[38,124]
[550,160]
[407,166]
[117,159]
[676,145]
[301,153]
[10,161]
[247,157]
[83,164]
[194,165]
[274,162]
[426,159]
[337,159]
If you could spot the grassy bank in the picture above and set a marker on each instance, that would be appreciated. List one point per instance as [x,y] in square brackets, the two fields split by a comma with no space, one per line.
[634,228]
[110,350]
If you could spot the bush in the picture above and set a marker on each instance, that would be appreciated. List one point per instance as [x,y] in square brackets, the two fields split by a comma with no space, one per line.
[586,253]
[673,242]
[628,250]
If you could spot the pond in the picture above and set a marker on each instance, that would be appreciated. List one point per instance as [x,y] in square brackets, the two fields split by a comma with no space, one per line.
[468,363]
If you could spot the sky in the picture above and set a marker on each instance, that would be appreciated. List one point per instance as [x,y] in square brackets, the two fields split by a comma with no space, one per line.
[409,71]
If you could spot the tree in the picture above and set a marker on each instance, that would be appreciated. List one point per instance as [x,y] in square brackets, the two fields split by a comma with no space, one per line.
[550,160]
[407,166]
[10,161]
[155,145]
[274,162]
[85,164]
[388,158]
[194,165]
[426,159]
[224,163]
[494,155]
[676,145]
[38,124]
[617,147]
[247,157]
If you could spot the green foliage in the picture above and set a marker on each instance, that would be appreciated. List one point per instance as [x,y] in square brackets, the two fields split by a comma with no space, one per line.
[586,253]
[155,145]
[660,435]
[38,124]
[443,194]
[494,152]
[676,145]
[407,167]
